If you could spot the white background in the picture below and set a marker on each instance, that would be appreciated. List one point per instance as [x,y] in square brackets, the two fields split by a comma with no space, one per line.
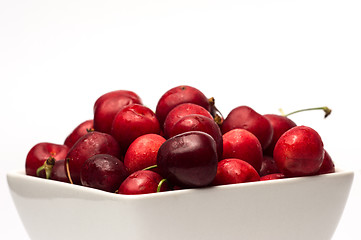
[57,57]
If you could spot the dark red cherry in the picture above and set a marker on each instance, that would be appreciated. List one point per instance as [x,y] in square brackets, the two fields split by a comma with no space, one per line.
[143,182]
[246,118]
[108,105]
[268,166]
[196,122]
[188,159]
[233,170]
[134,121]
[90,144]
[78,132]
[58,172]
[327,164]
[179,95]
[104,172]
[280,125]
[40,153]
[299,152]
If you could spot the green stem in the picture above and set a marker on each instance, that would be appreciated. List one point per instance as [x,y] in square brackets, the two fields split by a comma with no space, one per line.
[325,109]
[47,167]
[160,184]
[151,167]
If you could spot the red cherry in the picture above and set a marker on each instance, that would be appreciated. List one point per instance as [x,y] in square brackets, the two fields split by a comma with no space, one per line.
[188,159]
[104,172]
[108,105]
[272,176]
[196,122]
[38,155]
[242,144]
[133,121]
[299,152]
[268,166]
[180,111]
[142,153]
[327,164]
[90,144]
[179,95]
[143,182]
[233,170]
[246,118]
[78,132]
[280,125]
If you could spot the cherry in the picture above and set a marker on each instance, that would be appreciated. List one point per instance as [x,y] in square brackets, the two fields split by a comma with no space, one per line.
[246,118]
[188,159]
[90,144]
[142,153]
[196,122]
[38,156]
[327,165]
[108,105]
[280,125]
[82,129]
[244,145]
[233,170]
[58,172]
[178,95]
[143,182]
[272,176]
[104,172]
[180,111]
[269,166]
[133,121]
[299,152]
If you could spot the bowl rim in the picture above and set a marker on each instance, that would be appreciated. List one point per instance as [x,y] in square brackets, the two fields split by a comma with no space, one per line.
[20,175]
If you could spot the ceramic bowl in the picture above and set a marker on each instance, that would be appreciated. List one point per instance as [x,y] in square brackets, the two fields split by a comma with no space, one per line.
[296,208]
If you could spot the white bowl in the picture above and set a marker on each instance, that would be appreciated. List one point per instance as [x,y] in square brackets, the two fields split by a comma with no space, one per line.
[298,208]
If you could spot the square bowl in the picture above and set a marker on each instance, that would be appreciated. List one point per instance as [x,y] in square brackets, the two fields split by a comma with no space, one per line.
[294,208]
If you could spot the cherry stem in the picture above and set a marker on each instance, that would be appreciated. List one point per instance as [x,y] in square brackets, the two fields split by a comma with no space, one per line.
[160,184]
[68,170]
[217,115]
[325,109]
[151,167]
[47,167]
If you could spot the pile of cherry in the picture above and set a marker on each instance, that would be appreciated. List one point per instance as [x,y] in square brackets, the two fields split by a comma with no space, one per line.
[186,143]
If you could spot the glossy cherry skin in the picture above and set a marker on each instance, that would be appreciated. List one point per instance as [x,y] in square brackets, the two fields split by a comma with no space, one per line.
[244,145]
[39,153]
[180,111]
[299,152]
[280,125]
[91,144]
[246,118]
[327,165]
[82,129]
[104,172]
[108,105]
[134,121]
[196,122]
[142,153]
[142,182]
[178,95]
[233,170]
[269,166]
[58,172]
[188,159]
[272,176]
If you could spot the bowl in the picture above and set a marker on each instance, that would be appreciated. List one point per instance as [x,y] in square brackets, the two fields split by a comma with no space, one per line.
[295,208]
